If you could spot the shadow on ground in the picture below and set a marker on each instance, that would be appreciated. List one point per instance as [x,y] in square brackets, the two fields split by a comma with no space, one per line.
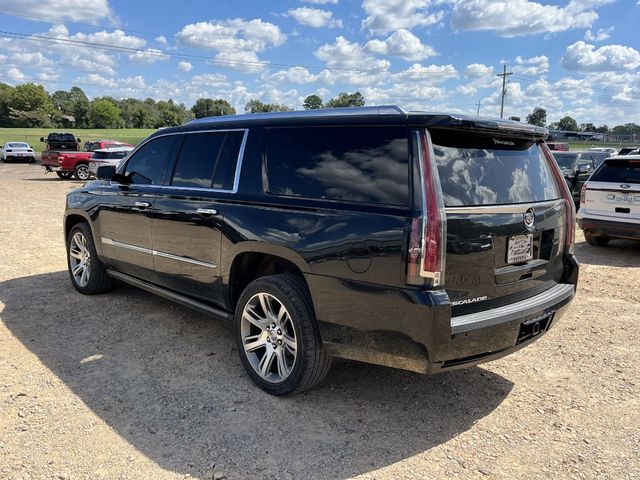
[168,380]
[618,253]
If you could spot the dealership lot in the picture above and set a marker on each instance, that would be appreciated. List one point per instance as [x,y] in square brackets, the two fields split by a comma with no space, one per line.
[127,385]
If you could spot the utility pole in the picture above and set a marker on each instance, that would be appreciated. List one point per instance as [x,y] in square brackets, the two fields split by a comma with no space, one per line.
[478,104]
[504,76]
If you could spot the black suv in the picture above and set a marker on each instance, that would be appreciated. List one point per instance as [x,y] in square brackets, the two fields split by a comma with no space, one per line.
[576,167]
[420,241]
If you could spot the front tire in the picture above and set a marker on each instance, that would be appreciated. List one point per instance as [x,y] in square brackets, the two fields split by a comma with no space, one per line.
[88,274]
[81,172]
[277,335]
[64,175]
[595,240]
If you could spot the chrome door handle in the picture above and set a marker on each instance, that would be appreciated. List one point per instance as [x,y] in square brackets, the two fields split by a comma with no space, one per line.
[142,204]
[207,211]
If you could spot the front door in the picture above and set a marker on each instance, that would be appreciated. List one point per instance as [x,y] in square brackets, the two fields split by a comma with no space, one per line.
[124,217]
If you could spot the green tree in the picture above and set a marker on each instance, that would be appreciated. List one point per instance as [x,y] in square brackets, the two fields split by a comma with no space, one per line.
[603,129]
[170,114]
[588,127]
[208,107]
[5,101]
[30,106]
[568,124]
[104,113]
[256,106]
[346,100]
[312,102]
[537,117]
[79,106]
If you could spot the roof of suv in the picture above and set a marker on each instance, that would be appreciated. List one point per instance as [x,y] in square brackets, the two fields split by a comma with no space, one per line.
[387,114]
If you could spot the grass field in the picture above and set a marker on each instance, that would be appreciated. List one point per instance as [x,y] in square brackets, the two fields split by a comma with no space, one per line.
[32,135]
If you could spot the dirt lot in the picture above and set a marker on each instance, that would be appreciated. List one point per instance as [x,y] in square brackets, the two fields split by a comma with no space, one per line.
[127,385]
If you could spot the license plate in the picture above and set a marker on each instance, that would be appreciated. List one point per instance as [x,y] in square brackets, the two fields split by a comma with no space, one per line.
[520,248]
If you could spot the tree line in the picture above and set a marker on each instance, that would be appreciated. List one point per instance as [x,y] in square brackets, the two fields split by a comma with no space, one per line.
[539,117]
[30,105]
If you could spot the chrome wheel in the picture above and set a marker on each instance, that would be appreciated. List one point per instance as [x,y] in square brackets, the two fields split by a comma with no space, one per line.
[79,259]
[268,337]
[82,172]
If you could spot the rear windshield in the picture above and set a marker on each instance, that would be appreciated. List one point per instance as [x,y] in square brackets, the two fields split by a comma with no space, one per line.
[617,171]
[100,155]
[483,170]
[17,145]
[62,137]
[565,160]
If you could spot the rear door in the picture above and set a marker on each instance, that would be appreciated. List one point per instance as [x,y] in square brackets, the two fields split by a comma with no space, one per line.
[189,210]
[505,219]
[614,191]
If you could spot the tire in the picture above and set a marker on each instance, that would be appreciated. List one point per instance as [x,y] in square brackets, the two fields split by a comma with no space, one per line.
[81,172]
[596,241]
[270,363]
[82,255]
[64,175]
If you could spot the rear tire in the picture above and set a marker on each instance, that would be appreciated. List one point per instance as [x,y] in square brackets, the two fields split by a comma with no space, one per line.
[277,335]
[595,240]
[88,274]
[81,172]
[64,175]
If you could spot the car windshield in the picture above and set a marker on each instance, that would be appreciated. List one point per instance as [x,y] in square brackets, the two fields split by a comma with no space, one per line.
[618,171]
[565,160]
[17,145]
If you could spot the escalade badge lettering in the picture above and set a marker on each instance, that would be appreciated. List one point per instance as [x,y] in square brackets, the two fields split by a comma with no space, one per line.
[625,186]
[529,219]
[469,300]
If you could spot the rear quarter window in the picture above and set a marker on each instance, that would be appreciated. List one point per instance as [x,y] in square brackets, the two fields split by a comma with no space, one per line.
[353,164]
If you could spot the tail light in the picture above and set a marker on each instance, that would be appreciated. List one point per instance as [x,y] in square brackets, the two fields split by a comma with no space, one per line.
[570,207]
[583,194]
[426,256]
[60,159]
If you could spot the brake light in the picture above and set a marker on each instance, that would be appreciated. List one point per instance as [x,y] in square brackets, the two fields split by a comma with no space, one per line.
[583,194]
[426,256]
[570,207]
[60,158]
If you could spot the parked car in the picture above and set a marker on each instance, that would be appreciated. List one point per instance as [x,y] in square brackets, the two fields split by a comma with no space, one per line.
[576,168]
[627,150]
[17,152]
[67,163]
[609,150]
[94,145]
[419,241]
[561,146]
[107,156]
[61,141]
[610,201]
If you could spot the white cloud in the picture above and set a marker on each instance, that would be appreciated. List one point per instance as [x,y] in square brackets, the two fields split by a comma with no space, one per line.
[185,66]
[385,16]
[478,70]
[242,60]
[31,59]
[403,44]
[210,80]
[95,79]
[161,39]
[236,34]
[116,38]
[321,2]
[314,17]
[148,56]
[601,35]
[91,11]
[533,66]
[351,64]
[582,56]
[512,18]
[15,75]
[429,75]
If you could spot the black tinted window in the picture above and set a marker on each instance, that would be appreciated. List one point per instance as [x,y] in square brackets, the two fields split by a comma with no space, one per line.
[617,171]
[100,155]
[482,170]
[147,166]
[565,160]
[358,164]
[208,160]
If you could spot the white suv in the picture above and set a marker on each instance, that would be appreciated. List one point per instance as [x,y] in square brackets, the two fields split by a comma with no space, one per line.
[610,201]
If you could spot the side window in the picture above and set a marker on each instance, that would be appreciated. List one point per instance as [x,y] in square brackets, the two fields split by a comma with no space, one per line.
[208,160]
[147,166]
[355,164]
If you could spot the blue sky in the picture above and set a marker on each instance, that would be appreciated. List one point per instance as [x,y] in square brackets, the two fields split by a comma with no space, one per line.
[577,57]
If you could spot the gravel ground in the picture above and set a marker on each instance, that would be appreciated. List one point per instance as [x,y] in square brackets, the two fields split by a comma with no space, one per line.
[126,385]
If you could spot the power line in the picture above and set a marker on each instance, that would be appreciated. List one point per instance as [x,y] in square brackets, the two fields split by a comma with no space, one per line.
[504,76]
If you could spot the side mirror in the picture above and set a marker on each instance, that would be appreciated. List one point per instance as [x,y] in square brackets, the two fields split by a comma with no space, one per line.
[106,172]
[78,140]
[42,139]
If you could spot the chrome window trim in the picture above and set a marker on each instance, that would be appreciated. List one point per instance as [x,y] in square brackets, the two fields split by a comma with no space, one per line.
[236,177]
[156,253]
[510,208]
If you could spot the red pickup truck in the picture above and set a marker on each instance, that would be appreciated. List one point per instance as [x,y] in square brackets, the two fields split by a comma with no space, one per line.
[64,157]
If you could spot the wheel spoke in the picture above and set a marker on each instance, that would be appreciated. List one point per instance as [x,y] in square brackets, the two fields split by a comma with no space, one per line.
[85,276]
[283,370]
[254,342]
[75,254]
[282,313]
[266,307]
[253,318]
[290,344]
[265,362]
[77,269]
